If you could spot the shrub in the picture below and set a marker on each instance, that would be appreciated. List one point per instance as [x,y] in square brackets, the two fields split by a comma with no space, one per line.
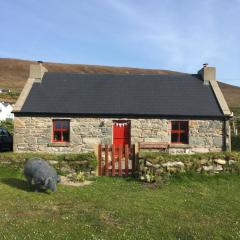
[8,124]
[157,157]
[79,177]
[77,162]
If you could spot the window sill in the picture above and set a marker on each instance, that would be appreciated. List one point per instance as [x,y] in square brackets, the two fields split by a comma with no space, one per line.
[59,144]
[179,145]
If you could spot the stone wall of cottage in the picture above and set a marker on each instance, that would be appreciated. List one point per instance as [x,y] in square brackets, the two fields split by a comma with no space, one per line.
[35,134]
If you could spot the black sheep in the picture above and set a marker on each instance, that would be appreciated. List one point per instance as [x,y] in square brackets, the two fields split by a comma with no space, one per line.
[42,174]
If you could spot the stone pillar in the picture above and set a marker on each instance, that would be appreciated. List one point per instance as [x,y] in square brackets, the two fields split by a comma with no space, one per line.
[227,135]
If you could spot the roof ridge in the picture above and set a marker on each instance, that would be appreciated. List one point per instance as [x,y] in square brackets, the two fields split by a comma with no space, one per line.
[125,74]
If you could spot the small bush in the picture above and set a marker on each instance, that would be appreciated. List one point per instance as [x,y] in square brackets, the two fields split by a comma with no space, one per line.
[157,157]
[77,162]
[8,124]
[79,177]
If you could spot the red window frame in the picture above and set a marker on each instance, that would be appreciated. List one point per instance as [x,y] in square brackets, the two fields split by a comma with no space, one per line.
[180,131]
[61,129]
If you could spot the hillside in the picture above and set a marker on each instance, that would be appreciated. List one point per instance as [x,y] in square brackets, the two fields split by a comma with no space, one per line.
[231,93]
[14,73]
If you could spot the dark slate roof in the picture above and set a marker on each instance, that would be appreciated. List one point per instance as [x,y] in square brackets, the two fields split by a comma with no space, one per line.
[122,94]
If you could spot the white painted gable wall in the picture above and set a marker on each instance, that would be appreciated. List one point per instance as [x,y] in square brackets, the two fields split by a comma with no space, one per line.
[6,111]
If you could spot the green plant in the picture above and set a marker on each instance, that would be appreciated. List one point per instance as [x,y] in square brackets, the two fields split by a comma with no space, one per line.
[79,177]
[158,157]
[8,124]
[150,176]
[78,162]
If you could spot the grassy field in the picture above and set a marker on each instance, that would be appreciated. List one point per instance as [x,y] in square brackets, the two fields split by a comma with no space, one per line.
[188,207]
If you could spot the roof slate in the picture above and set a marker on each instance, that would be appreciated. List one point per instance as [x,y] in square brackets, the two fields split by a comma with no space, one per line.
[122,94]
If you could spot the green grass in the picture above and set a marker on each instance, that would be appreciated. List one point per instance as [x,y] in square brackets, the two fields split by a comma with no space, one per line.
[78,162]
[235,110]
[236,143]
[188,207]
[158,157]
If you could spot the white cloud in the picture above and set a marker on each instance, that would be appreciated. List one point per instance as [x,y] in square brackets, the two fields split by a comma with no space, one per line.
[183,35]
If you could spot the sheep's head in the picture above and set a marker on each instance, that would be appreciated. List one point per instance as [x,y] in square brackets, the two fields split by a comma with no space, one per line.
[51,184]
[58,179]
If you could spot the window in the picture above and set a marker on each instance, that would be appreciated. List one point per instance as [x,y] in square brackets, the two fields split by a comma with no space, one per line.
[179,132]
[61,130]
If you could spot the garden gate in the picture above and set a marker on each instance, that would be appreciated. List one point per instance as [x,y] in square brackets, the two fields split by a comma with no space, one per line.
[116,160]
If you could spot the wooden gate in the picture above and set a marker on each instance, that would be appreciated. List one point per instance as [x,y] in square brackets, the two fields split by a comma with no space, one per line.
[116,160]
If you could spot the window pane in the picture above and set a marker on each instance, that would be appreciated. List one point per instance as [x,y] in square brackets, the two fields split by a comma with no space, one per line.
[65,124]
[184,125]
[174,125]
[184,138]
[66,136]
[57,124]
[57,136]
[174,137]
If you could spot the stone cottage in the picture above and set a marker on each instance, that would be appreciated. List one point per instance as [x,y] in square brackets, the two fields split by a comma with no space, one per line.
[74,112]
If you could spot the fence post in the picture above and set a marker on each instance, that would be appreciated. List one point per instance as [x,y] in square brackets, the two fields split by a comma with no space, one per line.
[113,160]
[99,160]
[133,160]
[120,149]
[126,159]
[106,160]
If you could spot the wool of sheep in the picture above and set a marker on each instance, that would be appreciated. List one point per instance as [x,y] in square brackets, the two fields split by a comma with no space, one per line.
[42,174]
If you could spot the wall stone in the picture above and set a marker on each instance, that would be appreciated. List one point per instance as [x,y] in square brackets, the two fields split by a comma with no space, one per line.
[35,134]
[152,170]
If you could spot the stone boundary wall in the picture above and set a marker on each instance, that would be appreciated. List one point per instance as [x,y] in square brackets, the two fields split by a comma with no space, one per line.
[35,134]
[150,172]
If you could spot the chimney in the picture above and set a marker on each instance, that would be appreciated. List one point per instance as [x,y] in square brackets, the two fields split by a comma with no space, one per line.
[35,76]
[207,73]
[37,71]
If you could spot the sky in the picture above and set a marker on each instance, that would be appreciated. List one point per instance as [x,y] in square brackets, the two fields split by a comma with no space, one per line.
[177,35]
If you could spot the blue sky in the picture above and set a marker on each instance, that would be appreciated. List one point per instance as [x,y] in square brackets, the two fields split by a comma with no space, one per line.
[177,35]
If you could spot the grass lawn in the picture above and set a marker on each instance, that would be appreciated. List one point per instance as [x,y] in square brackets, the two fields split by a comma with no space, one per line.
[188,207]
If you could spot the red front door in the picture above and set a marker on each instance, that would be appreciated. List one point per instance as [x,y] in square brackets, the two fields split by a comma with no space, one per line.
[121,133]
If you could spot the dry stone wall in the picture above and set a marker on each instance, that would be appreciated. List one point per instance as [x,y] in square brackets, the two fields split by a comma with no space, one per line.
[152,170]
[35,134]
